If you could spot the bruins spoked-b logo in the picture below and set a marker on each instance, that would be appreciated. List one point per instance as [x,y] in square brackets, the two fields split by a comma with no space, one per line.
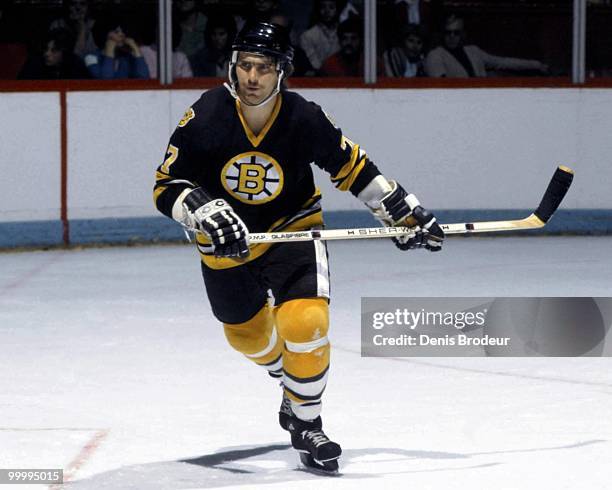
[252,177]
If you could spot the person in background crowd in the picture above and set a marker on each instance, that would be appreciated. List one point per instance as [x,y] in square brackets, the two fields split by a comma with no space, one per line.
[321,40]
[192,24]
[348,62]
[258,10]
[262,10]
[407,58]
[120,56]
[181,68]
[57,61]
[213,59]
[456,60]
[77,19]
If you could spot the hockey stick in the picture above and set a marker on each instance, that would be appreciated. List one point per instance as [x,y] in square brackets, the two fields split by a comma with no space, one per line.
[555,192]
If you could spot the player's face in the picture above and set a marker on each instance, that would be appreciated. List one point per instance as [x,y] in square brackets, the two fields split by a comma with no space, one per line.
[257,77]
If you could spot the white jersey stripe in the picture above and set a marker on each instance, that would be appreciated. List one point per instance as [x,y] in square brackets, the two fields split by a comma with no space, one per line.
[322,269]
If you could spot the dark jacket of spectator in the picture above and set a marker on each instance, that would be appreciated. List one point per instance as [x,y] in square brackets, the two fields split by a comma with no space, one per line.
[56,62]
[191,26]
[406,59]
[213,60]
[76,18]
[397,64]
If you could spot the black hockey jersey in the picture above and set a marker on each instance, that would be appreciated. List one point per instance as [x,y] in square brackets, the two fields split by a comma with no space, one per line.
[266,178]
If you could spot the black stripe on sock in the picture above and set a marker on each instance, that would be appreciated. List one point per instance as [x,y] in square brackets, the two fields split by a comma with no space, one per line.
[312,379]
[305,397]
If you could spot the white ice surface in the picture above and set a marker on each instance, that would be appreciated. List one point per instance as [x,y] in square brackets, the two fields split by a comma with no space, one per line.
[113,367]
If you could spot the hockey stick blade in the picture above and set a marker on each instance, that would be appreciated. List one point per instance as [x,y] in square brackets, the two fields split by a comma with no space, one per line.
[555,192]
[557,188]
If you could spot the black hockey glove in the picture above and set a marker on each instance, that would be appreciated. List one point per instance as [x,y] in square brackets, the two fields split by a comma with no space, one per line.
[401,209]
[217,219]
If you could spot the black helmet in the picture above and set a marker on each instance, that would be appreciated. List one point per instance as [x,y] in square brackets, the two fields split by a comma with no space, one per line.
[267,39]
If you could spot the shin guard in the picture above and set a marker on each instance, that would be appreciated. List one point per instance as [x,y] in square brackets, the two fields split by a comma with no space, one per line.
[303,325]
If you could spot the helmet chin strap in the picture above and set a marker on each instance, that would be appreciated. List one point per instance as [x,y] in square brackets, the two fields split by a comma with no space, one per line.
[235,94]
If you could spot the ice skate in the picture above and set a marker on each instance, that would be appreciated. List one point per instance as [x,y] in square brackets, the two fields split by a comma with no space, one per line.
[317,452]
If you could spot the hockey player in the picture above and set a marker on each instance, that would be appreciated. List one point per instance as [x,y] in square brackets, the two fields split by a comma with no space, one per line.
[239,162]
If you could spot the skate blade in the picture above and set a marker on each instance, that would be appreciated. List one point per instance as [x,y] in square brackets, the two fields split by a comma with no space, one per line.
[327,468]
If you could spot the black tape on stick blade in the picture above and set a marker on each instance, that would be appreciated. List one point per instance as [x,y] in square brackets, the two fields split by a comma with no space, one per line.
[557,188]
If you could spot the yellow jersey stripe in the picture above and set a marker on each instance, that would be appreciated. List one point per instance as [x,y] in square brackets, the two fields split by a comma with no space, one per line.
[255,140]
[348,182]
[348,166]
[161,176]
[158,191]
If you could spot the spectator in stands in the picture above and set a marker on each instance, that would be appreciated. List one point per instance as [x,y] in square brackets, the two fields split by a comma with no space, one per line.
[258,10]
[57,61]
[181,68]
[77,19]
[348,62]
[407,59]
[120,56]
[321,40]
[457,60]
[213,60]
[395,15]
[263,10]
[192,24]
[301,64]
